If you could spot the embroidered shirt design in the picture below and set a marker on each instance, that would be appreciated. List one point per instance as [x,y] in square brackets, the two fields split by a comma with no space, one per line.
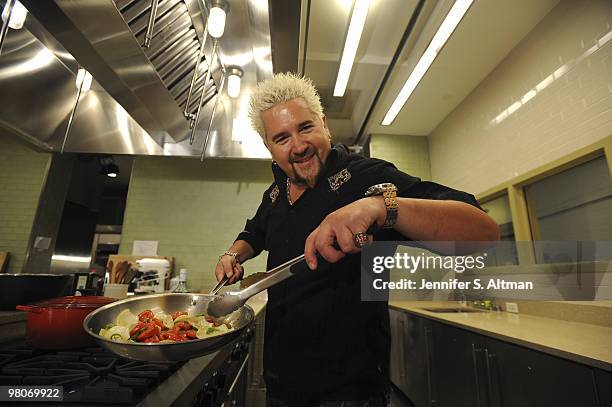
[274,193]
[336,180]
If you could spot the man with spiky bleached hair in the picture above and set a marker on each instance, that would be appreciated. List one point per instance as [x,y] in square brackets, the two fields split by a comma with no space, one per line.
[323,346]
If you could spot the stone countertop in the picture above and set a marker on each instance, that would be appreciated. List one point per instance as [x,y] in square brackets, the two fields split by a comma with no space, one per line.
[583,343]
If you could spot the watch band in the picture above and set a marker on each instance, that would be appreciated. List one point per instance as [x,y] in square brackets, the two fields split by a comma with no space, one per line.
[389,193]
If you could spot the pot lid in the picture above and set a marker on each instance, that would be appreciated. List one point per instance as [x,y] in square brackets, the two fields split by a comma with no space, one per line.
[74,302]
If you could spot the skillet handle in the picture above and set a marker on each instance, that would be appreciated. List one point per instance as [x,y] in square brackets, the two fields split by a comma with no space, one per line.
[29,309]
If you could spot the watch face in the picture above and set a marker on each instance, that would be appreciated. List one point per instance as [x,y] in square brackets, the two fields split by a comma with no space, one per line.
[380,188]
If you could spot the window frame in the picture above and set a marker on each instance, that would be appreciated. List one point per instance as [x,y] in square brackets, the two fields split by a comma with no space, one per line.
[524,221]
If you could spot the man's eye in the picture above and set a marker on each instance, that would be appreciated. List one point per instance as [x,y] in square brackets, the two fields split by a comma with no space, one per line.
[281,140]
[306,127]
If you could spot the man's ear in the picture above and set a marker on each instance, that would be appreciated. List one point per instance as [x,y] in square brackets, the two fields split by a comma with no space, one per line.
[324,120]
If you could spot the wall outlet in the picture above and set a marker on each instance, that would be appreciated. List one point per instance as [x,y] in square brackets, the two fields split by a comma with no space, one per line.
[512,307]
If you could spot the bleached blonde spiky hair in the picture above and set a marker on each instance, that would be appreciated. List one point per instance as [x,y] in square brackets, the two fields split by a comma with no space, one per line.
[282,88]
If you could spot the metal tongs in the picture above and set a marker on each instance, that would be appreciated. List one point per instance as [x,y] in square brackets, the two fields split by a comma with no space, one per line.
[229,302]
[219,286]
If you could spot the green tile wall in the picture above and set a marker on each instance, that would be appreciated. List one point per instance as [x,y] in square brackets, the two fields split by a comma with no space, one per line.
[195,210]
[409,153]
[22,173]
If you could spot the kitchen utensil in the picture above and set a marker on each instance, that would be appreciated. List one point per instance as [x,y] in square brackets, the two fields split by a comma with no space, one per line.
[170,303]
[26,288]
[219,286]
[58,323]
[228,302]
[122,269]
[129,276]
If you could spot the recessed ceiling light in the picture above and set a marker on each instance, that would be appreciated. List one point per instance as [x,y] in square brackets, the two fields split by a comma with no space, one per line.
[18,15]
[216,18]
[233,82]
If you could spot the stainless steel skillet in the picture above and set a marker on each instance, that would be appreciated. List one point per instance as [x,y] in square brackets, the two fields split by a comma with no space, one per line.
[164,352]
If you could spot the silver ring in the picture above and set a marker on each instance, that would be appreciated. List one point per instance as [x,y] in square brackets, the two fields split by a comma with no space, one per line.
[360,239]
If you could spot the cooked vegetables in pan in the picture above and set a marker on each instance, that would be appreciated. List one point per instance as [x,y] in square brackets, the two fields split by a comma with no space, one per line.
[156,326]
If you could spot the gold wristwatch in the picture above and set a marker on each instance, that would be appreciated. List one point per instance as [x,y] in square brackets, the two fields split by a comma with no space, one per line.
[389,193]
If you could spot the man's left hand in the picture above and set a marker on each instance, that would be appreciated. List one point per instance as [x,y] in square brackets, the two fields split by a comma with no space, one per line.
[335,236]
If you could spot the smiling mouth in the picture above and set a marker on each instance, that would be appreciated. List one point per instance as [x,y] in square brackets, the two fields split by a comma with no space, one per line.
[302,160]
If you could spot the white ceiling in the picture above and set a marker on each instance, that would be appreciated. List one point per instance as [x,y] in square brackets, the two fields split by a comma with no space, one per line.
[488,32]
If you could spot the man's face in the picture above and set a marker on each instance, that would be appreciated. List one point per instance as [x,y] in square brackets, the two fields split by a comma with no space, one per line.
[298,140]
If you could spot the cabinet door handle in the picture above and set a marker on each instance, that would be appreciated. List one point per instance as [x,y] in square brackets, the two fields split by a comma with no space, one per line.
[429,357]
[475,366]
[491,363]
[402,341]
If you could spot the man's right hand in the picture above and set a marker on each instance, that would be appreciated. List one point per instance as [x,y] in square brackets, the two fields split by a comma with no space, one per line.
[228,266]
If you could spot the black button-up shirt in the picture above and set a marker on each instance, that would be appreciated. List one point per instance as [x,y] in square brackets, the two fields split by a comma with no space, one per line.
[321,341]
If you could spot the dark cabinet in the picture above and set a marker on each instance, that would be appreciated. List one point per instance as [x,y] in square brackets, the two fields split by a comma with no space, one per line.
[439,365]
[525,378]
[457,368]
[410,363]
[604,387]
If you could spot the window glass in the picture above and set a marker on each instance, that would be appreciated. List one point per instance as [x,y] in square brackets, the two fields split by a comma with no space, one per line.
[573,205]
[499,210]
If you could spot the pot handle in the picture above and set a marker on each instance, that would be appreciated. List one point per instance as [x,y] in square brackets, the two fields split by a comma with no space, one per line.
[29,309]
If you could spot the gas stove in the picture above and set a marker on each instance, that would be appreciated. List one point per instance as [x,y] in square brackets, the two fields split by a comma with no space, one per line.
[89,376]
[95,377]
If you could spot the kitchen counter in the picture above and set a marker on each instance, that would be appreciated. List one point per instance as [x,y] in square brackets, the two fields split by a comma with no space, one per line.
[580,342]
[9,317]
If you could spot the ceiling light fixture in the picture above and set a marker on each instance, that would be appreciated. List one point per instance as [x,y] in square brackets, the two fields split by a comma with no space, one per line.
[233,81]
[83,77]
[216,18]
[358,18]
[108,167]
[445,30]
[18,15]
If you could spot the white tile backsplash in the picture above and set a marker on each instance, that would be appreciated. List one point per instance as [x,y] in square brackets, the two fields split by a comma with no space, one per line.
[562,73]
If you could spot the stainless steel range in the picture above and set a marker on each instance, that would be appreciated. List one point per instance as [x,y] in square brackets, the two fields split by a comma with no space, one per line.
[95,377]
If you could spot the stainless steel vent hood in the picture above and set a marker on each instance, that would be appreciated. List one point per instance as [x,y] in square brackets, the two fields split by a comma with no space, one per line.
[150,84]
[108,44]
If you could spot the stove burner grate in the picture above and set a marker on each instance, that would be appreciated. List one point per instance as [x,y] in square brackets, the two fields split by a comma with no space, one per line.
[90,375]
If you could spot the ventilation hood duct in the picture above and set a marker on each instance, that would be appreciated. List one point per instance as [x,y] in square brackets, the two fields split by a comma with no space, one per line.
[151,84]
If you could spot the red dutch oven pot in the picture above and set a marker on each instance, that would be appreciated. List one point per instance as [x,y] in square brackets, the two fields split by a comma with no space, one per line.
[58,323]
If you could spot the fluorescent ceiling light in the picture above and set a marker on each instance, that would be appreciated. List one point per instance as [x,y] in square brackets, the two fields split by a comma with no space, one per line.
[83,77]
[358,18]
[447,27]
[18,15]
[216,21]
